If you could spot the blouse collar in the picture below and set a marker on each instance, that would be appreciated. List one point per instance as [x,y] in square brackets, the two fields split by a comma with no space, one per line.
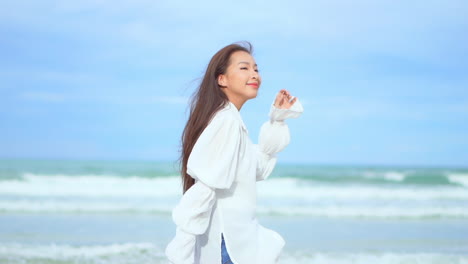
[233,108]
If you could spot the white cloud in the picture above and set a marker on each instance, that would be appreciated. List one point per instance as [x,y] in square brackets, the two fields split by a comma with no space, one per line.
[347,108]
[54,97]
[398,28]
[50,75]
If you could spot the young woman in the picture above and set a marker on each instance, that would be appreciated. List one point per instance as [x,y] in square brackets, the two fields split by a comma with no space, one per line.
[215,217]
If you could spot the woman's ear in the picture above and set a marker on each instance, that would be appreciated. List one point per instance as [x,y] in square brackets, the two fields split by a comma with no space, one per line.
[222,81]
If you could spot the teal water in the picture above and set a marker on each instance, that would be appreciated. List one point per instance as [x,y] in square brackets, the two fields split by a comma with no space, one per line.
[16,168]
[10,169]
[64,211]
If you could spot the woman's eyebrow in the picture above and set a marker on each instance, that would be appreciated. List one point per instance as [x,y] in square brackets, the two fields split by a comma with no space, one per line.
[246,63]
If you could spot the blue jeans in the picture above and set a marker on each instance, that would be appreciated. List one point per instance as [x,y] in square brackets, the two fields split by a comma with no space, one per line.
[225,259]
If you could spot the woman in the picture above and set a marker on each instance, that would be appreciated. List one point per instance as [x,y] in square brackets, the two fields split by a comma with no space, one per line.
[215,217]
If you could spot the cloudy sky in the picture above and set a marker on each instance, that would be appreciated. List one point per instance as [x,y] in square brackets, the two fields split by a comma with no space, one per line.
[382,82]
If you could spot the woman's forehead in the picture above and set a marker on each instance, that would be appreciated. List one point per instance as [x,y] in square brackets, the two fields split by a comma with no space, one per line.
[239,57]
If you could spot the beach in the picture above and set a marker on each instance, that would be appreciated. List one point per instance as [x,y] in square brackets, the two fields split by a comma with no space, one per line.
[54,211]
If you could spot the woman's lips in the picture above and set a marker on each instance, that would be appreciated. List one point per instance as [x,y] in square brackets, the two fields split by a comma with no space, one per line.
[253,84]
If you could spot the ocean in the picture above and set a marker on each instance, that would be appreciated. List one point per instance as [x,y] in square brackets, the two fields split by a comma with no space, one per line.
[69,211]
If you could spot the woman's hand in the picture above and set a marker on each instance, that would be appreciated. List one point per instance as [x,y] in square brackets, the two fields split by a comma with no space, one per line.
[283,100]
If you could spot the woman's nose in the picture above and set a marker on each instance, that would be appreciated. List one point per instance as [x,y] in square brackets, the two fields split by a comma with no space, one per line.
[255,75]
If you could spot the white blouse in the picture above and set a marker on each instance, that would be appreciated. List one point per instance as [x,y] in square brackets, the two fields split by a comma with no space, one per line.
[226,165]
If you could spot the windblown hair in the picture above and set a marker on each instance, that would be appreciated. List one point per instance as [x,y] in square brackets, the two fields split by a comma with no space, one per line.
[205,102]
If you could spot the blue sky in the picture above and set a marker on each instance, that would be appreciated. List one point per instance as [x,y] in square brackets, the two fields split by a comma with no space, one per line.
[382,82]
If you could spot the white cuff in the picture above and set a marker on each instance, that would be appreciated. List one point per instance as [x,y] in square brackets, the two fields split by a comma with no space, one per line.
[277,114]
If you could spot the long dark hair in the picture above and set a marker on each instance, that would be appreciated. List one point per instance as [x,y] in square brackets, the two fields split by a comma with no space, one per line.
[205,102]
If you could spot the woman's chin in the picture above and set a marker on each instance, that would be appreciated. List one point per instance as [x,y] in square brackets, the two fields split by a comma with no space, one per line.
[252,97]
[253,94]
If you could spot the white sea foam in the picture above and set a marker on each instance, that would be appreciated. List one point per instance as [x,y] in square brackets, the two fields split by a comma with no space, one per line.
[113,186]
[52,206]
[367,212]
[137,253]
[296,188]
[372,258]
[91,186]
[332,211]
[54,251]
[279,196]
[458,178]
[387,175]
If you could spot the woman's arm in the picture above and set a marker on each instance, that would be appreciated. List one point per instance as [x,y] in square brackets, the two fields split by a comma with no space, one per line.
[274,134]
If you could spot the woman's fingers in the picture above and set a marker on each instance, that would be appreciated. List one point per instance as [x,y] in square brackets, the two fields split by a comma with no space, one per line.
[293,100]
[284,100]
[279,99]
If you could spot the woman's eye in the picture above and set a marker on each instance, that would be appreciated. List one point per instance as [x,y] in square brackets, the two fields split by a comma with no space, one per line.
[243,68]
[256,70]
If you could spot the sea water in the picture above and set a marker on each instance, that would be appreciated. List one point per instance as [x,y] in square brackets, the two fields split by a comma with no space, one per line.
[65,211]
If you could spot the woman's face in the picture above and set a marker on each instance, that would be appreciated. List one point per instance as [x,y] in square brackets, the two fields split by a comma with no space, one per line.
[241,80]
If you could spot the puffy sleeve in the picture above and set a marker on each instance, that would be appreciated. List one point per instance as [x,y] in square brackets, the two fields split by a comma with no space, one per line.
[213,164]
[274,137]
[215,155]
